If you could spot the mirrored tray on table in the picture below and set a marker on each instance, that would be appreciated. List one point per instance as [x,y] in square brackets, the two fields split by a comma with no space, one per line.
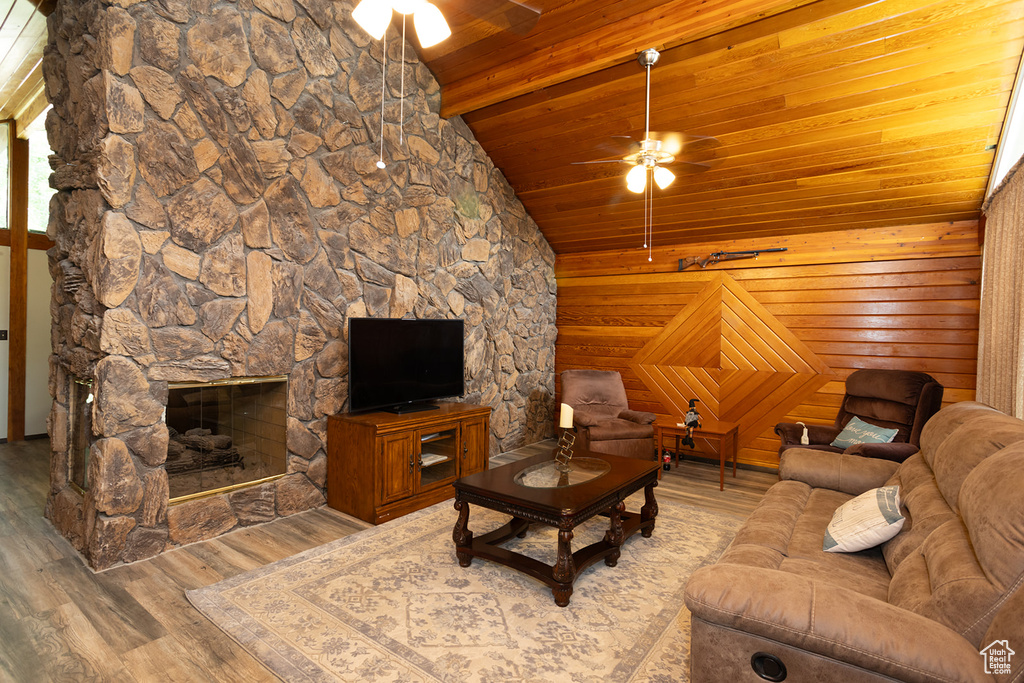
[552,474]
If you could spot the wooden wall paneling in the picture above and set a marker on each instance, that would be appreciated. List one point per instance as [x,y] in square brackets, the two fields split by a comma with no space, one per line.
[866,252]
[727,350]
[18,325]
[916,309]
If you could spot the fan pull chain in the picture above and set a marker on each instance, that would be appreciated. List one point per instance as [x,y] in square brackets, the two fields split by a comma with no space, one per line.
[650,240]
[383,91]
[401,106]
[645,214]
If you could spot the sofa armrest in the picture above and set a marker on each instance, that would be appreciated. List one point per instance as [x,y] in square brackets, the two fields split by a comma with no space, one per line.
[837,471]
[791,433]
[831,621]
[896,452]
[638,416]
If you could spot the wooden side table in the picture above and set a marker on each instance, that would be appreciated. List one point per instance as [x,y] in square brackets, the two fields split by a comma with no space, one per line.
[722,432]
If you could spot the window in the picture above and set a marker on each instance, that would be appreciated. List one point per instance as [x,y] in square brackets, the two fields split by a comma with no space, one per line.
[1011,141]
[39,191]
[5,175]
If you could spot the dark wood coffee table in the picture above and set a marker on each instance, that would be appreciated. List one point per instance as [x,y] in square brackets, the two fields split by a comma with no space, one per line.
[563,508]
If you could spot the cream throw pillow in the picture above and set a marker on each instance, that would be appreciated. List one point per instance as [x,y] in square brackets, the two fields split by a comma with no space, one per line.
[871,518]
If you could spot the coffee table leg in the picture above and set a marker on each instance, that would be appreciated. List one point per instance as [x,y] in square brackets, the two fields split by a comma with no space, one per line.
[614,535]
[521,534]
[564,569]
[461,534]
[649,511]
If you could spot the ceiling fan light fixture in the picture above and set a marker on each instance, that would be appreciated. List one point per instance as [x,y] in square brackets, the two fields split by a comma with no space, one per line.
[663,177]
[431,27]
[407,6]
[374,16]
[636,179]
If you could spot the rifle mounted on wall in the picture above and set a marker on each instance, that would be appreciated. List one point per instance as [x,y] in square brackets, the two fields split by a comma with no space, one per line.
[718,256]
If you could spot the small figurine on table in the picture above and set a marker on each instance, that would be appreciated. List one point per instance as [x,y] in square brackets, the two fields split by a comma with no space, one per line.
[691,421]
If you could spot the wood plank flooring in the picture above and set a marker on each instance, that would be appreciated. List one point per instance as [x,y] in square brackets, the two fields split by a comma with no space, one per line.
[60,621]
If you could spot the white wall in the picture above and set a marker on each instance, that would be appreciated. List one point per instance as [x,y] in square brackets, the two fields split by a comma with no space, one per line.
[37,355]
[37,394]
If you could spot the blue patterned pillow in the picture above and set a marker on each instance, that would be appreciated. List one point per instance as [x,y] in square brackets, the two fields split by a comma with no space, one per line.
[858,431]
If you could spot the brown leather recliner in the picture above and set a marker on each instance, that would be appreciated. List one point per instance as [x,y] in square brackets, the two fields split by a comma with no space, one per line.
[602,417]
[893,399]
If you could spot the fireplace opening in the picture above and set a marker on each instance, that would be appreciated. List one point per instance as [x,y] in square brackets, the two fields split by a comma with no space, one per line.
[225,434]
[81,432]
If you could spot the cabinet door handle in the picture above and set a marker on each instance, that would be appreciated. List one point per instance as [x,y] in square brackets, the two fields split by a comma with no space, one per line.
[465,449]
[412,464]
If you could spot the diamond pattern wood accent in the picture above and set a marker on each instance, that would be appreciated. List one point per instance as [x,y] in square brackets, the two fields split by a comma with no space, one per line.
[727,350]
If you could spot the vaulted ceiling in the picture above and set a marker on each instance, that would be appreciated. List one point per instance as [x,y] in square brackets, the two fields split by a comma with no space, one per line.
[22,39]
[829,114]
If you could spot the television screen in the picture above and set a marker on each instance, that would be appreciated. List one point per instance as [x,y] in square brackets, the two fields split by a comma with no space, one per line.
[399,364]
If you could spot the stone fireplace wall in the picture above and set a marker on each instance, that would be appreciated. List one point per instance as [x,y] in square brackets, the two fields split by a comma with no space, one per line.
[219,213]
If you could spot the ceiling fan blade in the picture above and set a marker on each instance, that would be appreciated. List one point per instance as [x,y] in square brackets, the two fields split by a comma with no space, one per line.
[522,18]
[671,142]
[689,167]
[677,143]
[507,15]
[602,161]
[618,146]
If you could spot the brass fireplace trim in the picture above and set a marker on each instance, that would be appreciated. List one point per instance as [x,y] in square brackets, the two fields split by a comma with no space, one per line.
[224,489]
[230,381]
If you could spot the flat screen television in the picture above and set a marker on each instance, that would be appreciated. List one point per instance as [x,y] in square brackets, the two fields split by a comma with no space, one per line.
[399,365]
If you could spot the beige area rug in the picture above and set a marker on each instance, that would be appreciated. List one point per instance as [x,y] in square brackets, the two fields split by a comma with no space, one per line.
[391,603]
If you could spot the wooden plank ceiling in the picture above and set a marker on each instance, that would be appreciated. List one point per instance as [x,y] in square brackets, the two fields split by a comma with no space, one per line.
[830,114]
[22,39]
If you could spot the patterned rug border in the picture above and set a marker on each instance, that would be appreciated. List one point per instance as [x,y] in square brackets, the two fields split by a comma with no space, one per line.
[256,641]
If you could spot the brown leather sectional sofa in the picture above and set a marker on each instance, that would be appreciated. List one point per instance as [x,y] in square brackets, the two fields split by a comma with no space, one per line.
[920,607]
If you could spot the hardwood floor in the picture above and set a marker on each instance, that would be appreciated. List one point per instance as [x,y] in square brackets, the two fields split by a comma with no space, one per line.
[60,621]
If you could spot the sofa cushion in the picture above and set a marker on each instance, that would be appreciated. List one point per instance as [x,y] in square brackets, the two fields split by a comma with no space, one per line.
[586,416]
[851,474]
[785,530]
[891,385]
[924,509]
[593,387]
[935,431]
[878,410]
[966,568]
[971,443]
[616,428]
[992,505]
[868,520]
[771,523]
[942,580]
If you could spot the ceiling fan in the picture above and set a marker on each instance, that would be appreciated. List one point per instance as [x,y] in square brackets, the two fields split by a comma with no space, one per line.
[375,17]
[511,16]
[650,157]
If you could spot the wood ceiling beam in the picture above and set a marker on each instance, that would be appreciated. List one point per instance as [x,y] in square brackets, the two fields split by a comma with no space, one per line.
[672,24]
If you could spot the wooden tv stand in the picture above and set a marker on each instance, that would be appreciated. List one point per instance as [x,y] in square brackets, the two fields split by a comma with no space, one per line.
[381,465]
